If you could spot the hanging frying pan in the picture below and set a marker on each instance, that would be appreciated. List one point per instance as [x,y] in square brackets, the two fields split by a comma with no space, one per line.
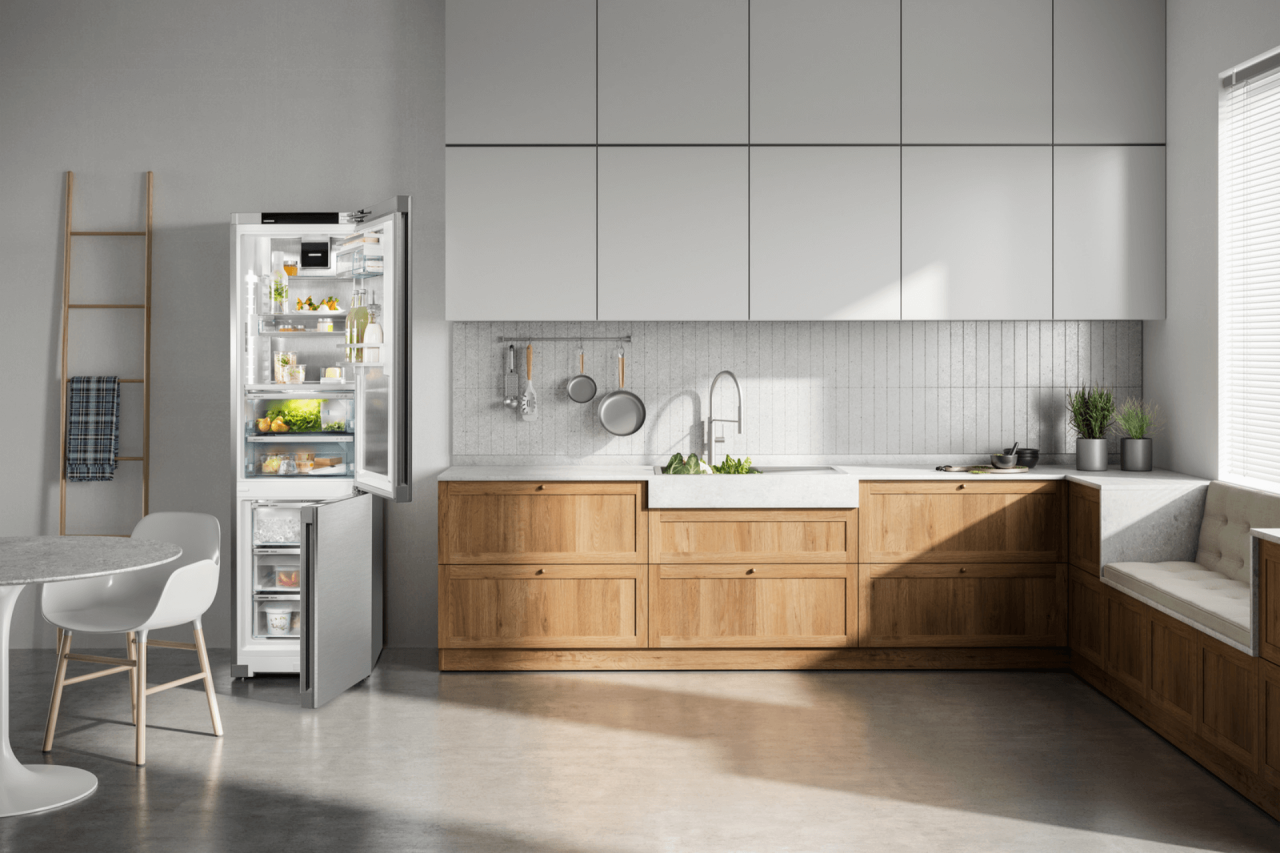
[621,412]
[582,388]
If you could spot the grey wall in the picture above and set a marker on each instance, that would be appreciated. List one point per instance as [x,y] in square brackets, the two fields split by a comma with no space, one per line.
[1181,352]
[238,105]
[840,391]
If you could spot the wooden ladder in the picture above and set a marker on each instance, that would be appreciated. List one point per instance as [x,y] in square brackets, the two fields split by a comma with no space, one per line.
[145,380]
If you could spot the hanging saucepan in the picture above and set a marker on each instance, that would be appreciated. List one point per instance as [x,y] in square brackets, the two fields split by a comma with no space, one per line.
[582,388]
[621,412]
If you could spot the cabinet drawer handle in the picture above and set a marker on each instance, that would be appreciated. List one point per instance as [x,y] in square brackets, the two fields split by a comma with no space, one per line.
[540,488]
[540,571]
[963,570]
[961,486]
[751,571]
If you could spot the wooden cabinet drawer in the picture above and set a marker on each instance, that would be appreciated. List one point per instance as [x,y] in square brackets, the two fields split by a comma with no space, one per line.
[1175,669]
[1228,708]
[543,606]
[1270,706]
[953,522]
[1084,533]
[1088,617]
[1269,601]
[752,606]
[1128,641]
[914,604]
[765,536]
[489,523]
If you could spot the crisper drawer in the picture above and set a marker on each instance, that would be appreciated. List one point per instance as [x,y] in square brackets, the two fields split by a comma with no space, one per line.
[929,604]
[488,523]
[277,617]
[543,606]
[952,522]
[753,606]
[766,536]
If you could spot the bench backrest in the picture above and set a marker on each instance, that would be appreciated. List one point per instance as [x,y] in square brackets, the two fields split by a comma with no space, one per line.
[1229,511]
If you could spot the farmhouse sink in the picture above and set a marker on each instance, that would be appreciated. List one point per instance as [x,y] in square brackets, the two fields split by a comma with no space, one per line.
[802,487]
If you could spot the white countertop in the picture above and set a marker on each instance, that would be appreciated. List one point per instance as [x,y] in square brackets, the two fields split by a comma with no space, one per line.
[813,491]
[1112,477]
[1271,534]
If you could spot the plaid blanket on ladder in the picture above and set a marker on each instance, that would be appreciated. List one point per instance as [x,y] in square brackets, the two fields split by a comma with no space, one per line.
[93,431]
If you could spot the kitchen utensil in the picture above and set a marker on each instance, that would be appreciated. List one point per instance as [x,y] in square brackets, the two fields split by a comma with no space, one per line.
[1028,456]
[1000,460]
[621,412]
[985,469]
[511,381]
[529,402]
[582,388]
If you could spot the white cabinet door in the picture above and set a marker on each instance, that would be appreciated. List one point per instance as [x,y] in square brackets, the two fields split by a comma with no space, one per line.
[520,234]
[1108,233]
[520,73]
[977,71]
[825,233]
[673,71]
[977,234]
[673,233]
[825,71]
[1109,70]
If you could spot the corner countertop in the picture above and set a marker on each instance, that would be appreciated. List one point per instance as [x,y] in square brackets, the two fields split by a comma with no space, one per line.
[1111,478]
[1270,534]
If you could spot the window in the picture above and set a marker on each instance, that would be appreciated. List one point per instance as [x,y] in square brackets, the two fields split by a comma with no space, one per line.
[1249,274]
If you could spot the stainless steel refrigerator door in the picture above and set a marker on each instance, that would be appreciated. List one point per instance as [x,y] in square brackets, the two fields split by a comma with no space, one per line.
[337,597]
[383,399]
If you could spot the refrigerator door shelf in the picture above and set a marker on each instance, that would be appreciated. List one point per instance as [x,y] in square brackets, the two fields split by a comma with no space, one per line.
[277,391]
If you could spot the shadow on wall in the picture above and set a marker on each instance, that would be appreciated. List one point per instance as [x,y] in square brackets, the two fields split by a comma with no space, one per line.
[689,434]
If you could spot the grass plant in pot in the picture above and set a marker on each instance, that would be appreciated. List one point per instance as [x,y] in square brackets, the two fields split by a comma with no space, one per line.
[1138,420]
[1092,412]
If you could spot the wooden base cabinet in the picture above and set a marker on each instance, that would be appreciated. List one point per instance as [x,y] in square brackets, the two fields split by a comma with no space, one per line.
[1088,617]
[549,607]
[932,604]
[753,606]
[959,522]
[1229,701]
[1269,708]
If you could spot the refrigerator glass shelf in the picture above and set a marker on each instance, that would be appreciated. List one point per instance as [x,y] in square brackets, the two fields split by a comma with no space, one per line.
[301,437]
[283,391]
[355,263]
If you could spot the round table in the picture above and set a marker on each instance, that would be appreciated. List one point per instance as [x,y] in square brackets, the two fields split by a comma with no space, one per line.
[26,788]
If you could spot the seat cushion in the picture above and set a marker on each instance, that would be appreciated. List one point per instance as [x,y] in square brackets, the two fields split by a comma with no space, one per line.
[1212,602]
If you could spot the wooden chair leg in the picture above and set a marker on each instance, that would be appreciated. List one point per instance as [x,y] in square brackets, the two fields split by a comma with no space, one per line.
[131,641]
[203,652]
[140,751]
[64,647]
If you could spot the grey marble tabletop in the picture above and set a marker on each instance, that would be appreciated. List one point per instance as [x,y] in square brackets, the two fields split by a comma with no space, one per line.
[41,559]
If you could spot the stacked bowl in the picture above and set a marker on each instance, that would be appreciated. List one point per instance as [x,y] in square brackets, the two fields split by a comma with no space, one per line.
[1027,456]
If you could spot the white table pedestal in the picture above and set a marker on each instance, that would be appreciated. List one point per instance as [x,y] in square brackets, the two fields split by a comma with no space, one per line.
[26,788]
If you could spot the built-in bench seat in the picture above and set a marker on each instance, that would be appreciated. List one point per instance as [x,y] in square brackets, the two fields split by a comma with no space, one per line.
[1217,594]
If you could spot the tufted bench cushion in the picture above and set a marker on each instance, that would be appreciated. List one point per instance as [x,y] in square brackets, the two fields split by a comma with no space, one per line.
[1215,593]
[1218,605]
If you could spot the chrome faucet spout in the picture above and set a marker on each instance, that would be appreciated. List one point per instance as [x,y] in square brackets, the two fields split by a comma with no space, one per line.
[711,414]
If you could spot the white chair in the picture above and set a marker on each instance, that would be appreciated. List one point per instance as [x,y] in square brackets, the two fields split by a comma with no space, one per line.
[134,603]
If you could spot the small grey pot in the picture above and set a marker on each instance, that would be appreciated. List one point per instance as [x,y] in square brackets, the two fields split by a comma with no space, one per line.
[1135,454]
[1091,454]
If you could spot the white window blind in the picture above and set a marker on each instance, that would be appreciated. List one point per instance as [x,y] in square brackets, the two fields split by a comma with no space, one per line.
[1249,274]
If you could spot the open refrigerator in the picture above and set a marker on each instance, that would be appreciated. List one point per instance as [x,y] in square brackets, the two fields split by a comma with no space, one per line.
[320,425]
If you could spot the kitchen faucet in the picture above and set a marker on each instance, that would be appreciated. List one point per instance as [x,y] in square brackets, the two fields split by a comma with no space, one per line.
[712,441]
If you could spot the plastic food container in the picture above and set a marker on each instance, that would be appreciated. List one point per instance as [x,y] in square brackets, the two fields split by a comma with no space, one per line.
[288,578]
[295,374]
[270,463]
[279,617]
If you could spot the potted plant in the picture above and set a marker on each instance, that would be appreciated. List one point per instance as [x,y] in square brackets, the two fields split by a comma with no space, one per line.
[1138,420]
[1092,413]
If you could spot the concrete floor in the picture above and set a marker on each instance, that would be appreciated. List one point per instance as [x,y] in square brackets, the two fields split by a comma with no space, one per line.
[614,762]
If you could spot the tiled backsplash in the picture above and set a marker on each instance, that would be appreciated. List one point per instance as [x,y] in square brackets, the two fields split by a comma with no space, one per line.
[842,391]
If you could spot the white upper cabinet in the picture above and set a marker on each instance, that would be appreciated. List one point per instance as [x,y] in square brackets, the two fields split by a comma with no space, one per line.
[1109,70]
[977,71]
[1109,233]
[977,233]
[520,233]
[673,233]
[825,233]
[673,71]
[520,73]
[825,71]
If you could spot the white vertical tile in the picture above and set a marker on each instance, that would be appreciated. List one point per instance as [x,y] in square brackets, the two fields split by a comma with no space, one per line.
[911,354]
[969,443]
[1065,357]
[919,421]
[893,355]
[970,344]
[866,417]
[1019,355]
[944,363]
[982,355]
[1009,355]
